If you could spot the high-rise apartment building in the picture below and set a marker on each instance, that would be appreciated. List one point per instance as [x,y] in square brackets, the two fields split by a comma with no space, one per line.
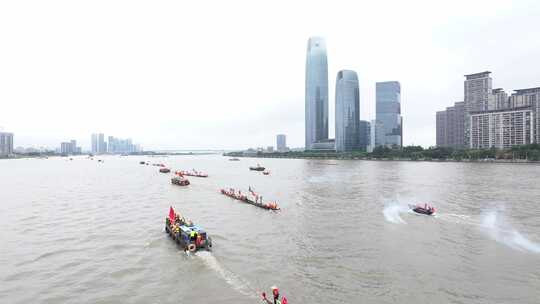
[347,111]
[120,145]
[477,89]
[489,117]
[67,148]
[281,142]
[528,97]
[498,100]
[388,113]
[6,144]
[501,129]
[450,126]
[99,146]
[316,93]
[440,127]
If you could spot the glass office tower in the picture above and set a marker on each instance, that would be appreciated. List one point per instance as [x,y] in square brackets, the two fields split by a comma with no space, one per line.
[347,111]
[316,116]
[388,108]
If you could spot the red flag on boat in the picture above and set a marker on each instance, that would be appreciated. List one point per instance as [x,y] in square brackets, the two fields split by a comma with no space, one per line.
[171,214]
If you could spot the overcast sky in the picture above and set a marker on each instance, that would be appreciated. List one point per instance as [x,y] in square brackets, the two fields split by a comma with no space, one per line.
[230,74]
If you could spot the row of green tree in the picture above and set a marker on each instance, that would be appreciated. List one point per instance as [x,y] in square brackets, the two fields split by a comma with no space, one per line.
[524,152]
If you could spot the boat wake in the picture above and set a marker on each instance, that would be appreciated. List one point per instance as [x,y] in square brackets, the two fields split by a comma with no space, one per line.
[501,231]
[231,278]
[392,213]
[456,218]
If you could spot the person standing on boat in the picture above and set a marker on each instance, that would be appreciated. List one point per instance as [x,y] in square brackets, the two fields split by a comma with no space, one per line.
[193,236]
[275,296]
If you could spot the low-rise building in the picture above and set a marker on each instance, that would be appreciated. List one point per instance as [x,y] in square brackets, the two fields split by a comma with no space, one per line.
[324,145]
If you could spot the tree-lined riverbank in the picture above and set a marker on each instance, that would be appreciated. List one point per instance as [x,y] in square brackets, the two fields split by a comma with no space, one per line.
[526,153]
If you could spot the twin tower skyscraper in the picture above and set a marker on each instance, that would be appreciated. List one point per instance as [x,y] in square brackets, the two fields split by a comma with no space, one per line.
[347,120]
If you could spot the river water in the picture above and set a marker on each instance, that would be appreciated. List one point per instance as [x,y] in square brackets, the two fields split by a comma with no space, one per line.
[87,232]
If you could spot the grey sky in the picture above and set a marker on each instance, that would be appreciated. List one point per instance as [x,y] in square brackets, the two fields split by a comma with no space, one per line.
[230,74]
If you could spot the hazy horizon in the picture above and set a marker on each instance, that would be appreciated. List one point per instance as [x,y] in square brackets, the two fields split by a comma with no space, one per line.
[230,75]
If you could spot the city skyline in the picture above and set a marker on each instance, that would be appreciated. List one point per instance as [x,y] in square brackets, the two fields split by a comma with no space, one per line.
[96,81]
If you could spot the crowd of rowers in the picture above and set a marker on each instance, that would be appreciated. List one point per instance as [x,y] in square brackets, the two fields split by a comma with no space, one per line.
[179,220]
[258,198]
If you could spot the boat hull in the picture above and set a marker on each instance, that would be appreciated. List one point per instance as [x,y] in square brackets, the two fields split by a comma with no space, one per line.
[184,242]
[246,200]
[420,210]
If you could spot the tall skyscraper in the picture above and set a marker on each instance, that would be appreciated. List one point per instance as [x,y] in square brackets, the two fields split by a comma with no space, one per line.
[316,94]
[6,144]
[94,144]
[281,142]
[99,145]
[477,88]
[364,134]
[388,112]
[347,111]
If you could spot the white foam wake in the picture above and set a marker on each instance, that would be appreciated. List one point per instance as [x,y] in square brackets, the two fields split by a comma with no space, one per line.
[502,232]
[231,278]
[392,213]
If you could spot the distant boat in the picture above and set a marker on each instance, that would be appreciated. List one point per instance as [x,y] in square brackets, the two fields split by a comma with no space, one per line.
[180,181]
[192,173]
[234,159]
[257,168]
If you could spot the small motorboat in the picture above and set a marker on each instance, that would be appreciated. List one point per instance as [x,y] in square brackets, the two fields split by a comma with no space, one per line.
[234,159]
[266,172]
[142,163]
[189,236]
[179,181]
[164,170]
[257,168]
[426,209]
